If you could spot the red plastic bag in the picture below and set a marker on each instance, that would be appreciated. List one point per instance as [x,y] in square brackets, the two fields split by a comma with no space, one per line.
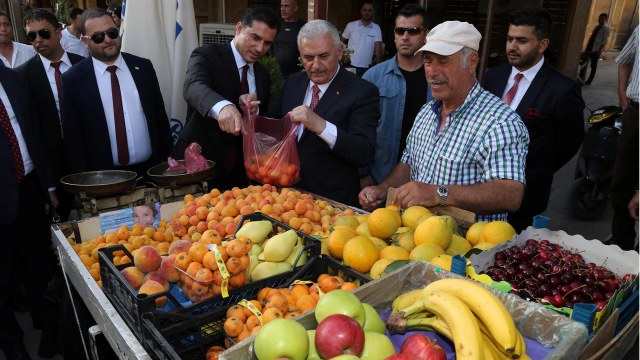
[195,162]
[270,150]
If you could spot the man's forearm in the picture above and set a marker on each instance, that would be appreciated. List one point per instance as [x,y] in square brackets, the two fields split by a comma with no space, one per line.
[400,175]
[624,72]
[489,198]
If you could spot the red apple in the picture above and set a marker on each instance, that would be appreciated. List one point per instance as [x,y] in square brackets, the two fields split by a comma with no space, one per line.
[399,356]
[339,334]
[418,346]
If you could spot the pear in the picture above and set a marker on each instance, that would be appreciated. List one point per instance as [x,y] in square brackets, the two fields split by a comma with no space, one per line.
[267,269]
[256,231]
[255,250]
[279,247]
[373,322]
[298,249]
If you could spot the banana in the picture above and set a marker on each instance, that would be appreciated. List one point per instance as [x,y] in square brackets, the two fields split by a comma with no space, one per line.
[489,309]
[519,351]
[460,320]
[405,300]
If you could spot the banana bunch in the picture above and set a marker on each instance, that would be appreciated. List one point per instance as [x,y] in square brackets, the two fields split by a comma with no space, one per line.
[466,313]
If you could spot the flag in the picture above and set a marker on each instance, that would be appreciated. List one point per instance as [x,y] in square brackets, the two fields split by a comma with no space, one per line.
[164,32]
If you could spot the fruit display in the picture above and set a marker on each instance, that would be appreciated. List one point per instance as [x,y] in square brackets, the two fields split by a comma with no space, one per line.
[475,320]
[247,317]
[270,169]
[369,243]
[552,274]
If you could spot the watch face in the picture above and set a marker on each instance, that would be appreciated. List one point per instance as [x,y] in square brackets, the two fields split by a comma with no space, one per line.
[443,191]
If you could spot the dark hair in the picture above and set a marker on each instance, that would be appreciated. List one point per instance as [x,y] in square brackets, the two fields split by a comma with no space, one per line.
[538,18]
[75,12]
[2,13]
[606,16]
[92,13]
[410,10]
[115,10]
[365,2]
[262,14]
[39,15]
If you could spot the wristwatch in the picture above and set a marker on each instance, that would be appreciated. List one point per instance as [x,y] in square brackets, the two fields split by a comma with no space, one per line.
[443,192]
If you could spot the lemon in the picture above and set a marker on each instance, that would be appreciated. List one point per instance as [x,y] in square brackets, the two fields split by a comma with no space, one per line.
[434,230]
[383,223]
[393,253]
[473,234]
[425,252]
[378,268]
[496,232]
[411,215]
[458,246]
[444,261]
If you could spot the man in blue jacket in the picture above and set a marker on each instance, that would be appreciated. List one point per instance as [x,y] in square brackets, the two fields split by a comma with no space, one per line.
[403,90]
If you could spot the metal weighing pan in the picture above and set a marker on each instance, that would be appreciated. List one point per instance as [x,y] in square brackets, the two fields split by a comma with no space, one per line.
[100,183]
[160,176]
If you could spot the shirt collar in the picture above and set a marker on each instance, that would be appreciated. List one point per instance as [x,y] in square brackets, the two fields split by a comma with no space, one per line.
[325,86]
[240,62]
[471,96]
[530,73]
[102,67]
[361,23]
[46,62]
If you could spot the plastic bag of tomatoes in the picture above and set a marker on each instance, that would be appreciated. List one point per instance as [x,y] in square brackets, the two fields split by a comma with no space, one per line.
[270,150]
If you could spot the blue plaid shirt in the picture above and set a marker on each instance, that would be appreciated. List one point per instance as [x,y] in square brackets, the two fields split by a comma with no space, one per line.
[482,140]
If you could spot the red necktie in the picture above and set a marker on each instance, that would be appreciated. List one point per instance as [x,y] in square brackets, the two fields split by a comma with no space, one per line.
[244,82]
[314,97]
[5,124]
[118,115]
[56,67]
[508,97]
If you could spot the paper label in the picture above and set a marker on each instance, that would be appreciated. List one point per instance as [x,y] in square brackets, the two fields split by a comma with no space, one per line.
[224,287]
[252,308]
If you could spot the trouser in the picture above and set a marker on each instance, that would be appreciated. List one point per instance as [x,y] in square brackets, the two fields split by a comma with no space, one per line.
[25,240]
[595,56]
[625,180]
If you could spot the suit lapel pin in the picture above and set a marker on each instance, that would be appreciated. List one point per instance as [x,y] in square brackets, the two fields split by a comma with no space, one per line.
[137,68]
[338,93]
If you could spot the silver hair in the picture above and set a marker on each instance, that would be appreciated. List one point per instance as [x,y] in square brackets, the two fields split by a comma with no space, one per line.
[466,55]
[317,28]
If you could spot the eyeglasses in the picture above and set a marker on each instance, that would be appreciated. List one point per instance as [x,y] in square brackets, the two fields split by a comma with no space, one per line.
[43,33]
[98,36]
[411,30]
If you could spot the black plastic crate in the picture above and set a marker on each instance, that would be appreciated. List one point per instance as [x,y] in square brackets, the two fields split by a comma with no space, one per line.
[131,306]
[187,334]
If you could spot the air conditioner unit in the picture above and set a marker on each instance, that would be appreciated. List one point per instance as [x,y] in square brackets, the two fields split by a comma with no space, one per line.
[216,33]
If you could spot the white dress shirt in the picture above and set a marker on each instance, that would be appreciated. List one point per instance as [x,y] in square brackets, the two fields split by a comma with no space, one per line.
[138,141]
[26,158]
[21,53]
[51,75]
[526,80]
[330,132]
[73,44]
[251,79]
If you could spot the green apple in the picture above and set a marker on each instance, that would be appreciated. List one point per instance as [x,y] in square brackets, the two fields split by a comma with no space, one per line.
[345,357]
[376,346]
[313,353]
[373,322]
[340,302]
[282,338]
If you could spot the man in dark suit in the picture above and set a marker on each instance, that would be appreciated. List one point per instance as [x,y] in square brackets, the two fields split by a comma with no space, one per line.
[339,113]
[113,115]
[25,179]
[212,88]
[43,74]
[549,103]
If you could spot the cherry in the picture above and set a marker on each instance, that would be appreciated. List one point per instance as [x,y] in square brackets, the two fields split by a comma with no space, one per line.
[597,296]
[531,242]
[600,305]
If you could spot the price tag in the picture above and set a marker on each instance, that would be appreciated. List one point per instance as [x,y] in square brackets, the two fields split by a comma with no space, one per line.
[224,287]
[252,308]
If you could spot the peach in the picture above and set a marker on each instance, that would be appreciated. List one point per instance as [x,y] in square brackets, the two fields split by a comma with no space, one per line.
[168,271]
[153,287]
[133,276]
[157,277]
[147,259]
[179,247]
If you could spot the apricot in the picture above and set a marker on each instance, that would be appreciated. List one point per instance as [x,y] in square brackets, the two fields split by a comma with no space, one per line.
[252,321]
[271,314]
[211,237]
[234,266]
[233,326]
[193,268]
[238,279]
[238,312]
[152,287]
[204,276]
[198,251]
[298,290]
[278,301]
[306,302]
[349,286]
[182,261]
[235,248]
[209,261]
[133,276]
[147,259]
[244,334]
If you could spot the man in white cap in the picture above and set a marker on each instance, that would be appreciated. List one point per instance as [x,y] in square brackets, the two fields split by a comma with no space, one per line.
[466,147]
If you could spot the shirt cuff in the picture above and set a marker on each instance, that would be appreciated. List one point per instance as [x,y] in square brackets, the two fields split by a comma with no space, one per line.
[329,134]
[51,189]
[215,110]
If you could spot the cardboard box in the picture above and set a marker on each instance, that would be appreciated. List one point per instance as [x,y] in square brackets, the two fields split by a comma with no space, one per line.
[565,336]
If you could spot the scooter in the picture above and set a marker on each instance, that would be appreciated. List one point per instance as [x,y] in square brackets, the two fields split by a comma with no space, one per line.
[589,193]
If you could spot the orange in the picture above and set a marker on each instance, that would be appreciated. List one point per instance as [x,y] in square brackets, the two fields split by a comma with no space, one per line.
[337,240]
[360,253]
[383,223]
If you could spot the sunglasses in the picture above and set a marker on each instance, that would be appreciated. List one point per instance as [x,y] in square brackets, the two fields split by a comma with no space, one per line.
[98,36]
[411,30]
[43,33]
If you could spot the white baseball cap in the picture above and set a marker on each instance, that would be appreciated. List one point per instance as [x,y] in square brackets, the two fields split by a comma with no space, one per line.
[450,37]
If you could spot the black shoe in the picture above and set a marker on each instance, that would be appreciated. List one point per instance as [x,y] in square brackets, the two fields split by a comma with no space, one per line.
[17,353]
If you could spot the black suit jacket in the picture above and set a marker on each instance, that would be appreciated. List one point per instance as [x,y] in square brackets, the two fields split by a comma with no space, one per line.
[46,111]
[86,136]
[352,105]
[212,76]
[18,93]
[552,110]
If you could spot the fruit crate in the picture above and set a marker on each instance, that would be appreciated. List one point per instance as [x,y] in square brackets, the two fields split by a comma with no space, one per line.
[188,333]
[558,336]
[131,306]
[620,262]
